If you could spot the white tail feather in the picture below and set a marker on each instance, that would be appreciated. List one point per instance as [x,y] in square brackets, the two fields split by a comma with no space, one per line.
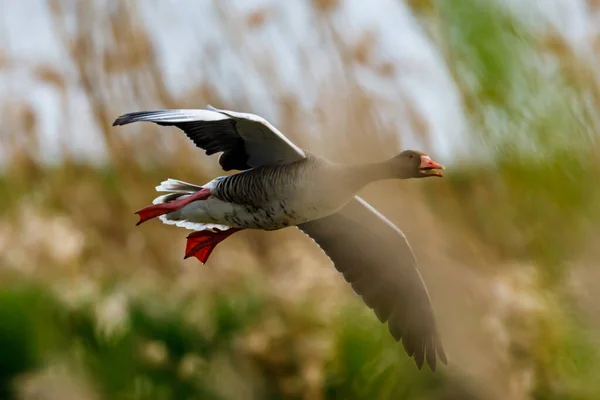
[165,198]
[176,189]
[194,226]
[176,186]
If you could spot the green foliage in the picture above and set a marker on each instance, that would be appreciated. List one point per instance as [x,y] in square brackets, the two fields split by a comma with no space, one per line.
[30,320]
[366,363]
[568,362]
[370,365]
[485,43]
[24,333]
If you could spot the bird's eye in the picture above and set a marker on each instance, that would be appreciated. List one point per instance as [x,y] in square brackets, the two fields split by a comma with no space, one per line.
[411,156]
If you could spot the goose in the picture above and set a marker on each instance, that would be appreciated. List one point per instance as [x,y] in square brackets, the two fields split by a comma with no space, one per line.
[282,185]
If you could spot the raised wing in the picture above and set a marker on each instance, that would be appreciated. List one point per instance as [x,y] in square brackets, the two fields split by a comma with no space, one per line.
[246,140]
[375,258]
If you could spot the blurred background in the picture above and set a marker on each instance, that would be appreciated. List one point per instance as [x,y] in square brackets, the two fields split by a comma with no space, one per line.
[506,93]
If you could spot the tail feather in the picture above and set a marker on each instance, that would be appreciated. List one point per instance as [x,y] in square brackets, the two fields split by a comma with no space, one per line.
[165,198]
[176,189]
[176,186]
[168,219]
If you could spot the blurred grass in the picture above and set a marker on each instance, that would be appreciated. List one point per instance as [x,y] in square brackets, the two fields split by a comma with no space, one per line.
[158,353]
[130,320]
[534,199]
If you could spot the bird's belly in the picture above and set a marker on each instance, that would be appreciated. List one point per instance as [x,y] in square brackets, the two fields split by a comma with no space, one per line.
[276,214]
[273,216]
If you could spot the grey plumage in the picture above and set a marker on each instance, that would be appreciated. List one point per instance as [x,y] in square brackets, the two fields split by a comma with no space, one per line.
[283,185]
[256,186]
[376,259]
[246,140]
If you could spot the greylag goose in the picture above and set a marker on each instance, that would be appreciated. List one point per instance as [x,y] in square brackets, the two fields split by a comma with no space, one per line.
[282,185]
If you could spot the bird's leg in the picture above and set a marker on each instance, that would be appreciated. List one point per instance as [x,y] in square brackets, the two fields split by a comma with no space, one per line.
[155,210]
[201,243]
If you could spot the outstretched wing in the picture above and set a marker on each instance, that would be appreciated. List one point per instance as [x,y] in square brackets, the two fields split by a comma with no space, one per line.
[246,140]
[375,258]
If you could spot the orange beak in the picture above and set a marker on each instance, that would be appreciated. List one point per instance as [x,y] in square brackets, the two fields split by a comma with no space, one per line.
[430,167]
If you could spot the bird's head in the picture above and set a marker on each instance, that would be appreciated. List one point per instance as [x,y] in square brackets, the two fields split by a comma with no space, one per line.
[415,164]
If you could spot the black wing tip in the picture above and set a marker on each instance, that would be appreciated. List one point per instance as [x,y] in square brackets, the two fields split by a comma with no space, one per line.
[135,117]
[122,120]
[128,118]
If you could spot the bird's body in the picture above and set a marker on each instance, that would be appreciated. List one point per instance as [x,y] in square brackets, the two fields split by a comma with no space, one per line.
[282,185]
[274,197]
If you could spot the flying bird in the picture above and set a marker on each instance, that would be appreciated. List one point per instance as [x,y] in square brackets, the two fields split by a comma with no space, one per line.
[282,185]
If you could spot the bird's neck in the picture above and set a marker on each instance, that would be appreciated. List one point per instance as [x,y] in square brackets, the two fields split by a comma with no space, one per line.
[363,174]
